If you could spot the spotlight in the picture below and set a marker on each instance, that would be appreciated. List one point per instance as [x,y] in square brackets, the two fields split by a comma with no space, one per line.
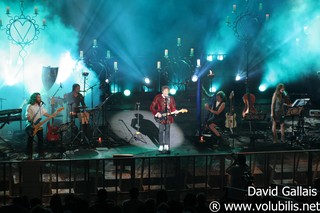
[173,91]
[213,89]
[220,57]
[210,57]
[147,80]
[194,78]
[262,88]
[127,92]
[107,80]
[238,78]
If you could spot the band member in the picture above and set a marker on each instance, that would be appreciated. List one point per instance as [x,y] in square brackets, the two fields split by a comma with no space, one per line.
[216,116]
[162,104]
[279,100]
[34,112]
[75,100]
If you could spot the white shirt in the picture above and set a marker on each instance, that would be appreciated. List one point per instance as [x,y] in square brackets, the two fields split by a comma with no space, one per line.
[33,109]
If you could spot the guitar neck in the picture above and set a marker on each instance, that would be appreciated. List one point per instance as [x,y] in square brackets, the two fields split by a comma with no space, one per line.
[166,114]
[169,113]
[44,121]
[48,118]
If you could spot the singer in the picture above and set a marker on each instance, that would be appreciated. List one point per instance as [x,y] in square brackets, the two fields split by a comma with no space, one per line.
[34,112]
[279,100]
[161,106]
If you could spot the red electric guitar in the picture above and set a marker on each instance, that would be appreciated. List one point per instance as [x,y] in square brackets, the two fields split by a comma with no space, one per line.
[52,130]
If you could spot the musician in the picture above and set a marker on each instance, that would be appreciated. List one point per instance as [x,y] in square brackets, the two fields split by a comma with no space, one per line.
[216,115]
[163,103]
[75,100]
[35,110]
[279,100]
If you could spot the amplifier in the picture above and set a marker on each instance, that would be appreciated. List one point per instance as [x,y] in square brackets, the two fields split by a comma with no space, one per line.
[314,113]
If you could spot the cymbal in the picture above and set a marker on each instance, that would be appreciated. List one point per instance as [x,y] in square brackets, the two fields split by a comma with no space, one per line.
[81,107]
[92,109]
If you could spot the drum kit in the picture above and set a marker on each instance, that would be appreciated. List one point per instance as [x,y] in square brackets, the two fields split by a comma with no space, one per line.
[83,137]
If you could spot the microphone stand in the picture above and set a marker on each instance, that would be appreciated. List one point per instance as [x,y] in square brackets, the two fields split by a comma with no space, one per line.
[91,93]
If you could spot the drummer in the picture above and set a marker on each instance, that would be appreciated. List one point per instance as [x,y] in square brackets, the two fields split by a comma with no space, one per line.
[74,100]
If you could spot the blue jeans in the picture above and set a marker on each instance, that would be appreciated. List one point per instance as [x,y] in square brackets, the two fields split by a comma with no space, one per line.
[164,134]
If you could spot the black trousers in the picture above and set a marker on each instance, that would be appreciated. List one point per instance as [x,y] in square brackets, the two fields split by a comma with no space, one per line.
[40,143]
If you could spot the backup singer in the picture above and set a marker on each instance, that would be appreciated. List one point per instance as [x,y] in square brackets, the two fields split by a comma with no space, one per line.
[35,110]
[279,100]
[163,103]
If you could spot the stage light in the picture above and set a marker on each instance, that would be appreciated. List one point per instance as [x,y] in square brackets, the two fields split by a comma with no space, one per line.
[107,80]
[198,63]
[127,92]
[173,91]
[220,57]
[262,87]
[209,58]
[147,80]
[238,78]
[194,78]
[213,89]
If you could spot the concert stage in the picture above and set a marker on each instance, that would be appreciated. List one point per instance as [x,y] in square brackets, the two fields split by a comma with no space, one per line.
[119,155]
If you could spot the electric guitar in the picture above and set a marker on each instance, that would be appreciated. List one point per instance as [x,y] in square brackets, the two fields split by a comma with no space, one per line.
[52,130]
[33,128]
[231,116]
[164,115]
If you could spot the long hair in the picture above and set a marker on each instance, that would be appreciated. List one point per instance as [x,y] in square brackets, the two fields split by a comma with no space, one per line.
[277,91]
[33,98]
[74,86]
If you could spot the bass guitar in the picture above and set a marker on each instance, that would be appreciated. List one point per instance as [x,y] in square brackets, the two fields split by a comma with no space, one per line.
[231,116]
[33,128]
[164,115]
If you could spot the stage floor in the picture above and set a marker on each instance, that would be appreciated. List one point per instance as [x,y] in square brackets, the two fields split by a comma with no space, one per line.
[121,135]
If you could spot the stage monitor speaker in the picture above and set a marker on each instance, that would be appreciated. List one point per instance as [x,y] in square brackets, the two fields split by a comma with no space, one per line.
[122,159]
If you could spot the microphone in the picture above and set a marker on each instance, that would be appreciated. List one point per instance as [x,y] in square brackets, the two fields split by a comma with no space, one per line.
[60,85]
[285,93]
[42,103]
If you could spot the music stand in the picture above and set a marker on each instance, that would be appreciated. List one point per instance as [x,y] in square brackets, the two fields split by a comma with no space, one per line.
[297,109]
[95,124]
[137,135]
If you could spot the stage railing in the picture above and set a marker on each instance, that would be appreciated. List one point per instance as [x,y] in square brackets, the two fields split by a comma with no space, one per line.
[177,174]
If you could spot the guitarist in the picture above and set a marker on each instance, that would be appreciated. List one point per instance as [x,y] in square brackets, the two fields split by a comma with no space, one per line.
[35,110]
[163,103]
[216,116]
